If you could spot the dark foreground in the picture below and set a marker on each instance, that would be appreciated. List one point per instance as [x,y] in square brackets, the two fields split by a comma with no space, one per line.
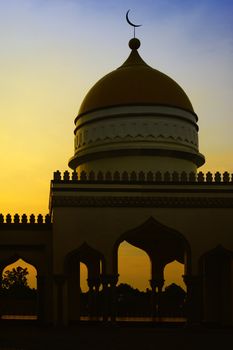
[119,336]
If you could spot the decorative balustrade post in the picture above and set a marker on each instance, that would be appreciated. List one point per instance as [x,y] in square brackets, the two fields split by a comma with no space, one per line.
[1,219]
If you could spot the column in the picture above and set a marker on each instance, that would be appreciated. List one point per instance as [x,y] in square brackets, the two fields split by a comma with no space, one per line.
[194,299]
[105,299]
[156,293]
[73,284]
[156,282]
[59,280]
[1,301]
[40,307]
[93,297]
[109,293]
[90,298]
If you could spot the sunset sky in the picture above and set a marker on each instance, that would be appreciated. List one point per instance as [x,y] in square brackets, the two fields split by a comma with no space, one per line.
[53,51]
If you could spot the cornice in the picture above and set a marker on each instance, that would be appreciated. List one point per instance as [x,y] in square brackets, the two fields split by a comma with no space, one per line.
[12,226]
[87,156]
[142,202]
[141,105]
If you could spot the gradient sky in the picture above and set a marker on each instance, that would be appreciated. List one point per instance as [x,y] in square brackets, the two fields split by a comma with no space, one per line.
[53,51]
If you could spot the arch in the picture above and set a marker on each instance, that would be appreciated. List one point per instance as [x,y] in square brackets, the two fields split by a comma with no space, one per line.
[83,277]
[95,263]
[85,254]
[24,264]
[32,256]
[13,258]
[18,298]
[133,266]
[169,276]
[163,245]
[152,234]
[218,251]
[215,267]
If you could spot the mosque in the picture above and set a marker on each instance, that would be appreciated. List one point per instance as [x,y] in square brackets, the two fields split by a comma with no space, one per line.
[134,178]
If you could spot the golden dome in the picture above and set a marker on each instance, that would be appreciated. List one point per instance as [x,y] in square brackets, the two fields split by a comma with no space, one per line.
[135,83]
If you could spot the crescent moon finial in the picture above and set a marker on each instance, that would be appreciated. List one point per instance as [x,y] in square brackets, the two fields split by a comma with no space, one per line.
[131,23]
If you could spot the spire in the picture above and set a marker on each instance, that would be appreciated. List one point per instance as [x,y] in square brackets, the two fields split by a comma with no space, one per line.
[134,44]
[134,58]
[131,23]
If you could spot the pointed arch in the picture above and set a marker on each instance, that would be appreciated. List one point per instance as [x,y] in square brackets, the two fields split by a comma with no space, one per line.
[31,269]
[219,251]
[19,292]
[95,262]
[12,258]
[85,254]
[154,237]
[215,268]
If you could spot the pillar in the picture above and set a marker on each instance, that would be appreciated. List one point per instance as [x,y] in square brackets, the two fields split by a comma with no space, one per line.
[93,297]
[73,286]
[41,300]
[109,297]
[217,285]
[194,299]
[156,283]
[1,301]
[60,297]
[156,293]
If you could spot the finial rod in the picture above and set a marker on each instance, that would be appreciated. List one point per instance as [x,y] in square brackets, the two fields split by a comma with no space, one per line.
[131,23]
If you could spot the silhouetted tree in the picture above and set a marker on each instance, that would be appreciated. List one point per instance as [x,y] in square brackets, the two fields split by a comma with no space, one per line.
[173,300]
[16,297]
[15,284]
[131,301]
[15,278]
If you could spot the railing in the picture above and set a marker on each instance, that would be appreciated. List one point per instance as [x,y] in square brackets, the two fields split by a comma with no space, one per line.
[24,219]
[149,177]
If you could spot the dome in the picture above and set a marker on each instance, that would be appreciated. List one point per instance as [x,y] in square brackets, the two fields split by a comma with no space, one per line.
[136,119]
[135,83]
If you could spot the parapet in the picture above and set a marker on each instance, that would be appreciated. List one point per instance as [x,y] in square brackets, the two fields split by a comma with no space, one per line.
[142,177]
[25,220]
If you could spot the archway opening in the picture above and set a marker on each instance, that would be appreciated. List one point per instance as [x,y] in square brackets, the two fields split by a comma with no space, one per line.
[173,273]
[83,277]
[84,290]
[216,271]
[169,257]
[19,291]
[133,266]
[83,267]
[133,295]
[174,291]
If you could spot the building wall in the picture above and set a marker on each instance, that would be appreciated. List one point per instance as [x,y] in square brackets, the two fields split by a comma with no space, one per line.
[203,228]
[33,244]
[136,163]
